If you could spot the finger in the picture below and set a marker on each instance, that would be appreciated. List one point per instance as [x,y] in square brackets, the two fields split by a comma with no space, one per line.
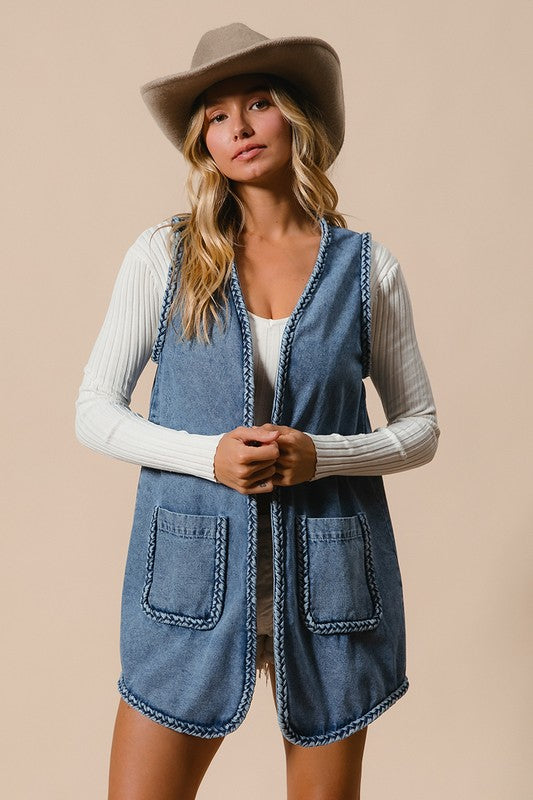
[258,487]
[288,438]
[256,434]
[262,473]
[258,455]
[248,479]
[283,429]
[279,479]
[263,487]
[247,474]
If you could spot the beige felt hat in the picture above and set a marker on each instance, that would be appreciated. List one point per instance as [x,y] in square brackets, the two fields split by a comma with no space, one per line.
[310,64]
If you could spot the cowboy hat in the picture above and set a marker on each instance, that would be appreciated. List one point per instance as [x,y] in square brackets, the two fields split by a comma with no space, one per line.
[309,64]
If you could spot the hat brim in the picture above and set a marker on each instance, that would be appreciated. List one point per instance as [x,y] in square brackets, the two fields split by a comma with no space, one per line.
[310,64]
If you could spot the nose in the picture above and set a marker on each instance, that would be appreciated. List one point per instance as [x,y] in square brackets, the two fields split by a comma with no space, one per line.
[241,128]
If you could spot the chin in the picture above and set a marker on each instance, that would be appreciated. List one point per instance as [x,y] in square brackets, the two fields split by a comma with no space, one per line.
[266,170]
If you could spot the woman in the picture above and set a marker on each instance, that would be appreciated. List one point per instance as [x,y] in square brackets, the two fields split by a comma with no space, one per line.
[261,536]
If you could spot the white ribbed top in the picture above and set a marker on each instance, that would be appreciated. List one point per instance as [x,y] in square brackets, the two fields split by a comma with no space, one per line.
[266,341]
[105,422]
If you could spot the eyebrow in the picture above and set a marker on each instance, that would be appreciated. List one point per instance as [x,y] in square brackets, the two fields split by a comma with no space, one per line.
[218,100]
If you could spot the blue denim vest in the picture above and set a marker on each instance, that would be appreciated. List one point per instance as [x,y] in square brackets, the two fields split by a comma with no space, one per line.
[188,617]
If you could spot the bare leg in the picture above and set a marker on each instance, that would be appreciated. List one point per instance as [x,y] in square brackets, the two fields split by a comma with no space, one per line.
[152,762]
[327,772]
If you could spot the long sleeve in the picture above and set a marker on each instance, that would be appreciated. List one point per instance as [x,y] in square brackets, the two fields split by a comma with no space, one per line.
[104,420]
[400,378]
[106,423]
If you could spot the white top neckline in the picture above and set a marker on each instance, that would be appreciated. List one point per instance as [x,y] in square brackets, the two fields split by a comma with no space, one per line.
[268,319]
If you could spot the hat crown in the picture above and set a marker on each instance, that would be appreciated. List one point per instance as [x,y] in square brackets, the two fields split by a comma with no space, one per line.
[223,42]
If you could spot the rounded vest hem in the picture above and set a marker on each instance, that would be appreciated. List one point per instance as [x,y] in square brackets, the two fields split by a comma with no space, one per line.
[210,731]
[193,729]
[356,725]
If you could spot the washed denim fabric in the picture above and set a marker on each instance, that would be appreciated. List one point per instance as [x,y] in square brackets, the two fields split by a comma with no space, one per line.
[188,619]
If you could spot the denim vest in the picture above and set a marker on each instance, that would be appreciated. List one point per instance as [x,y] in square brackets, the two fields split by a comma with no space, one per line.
[188,616]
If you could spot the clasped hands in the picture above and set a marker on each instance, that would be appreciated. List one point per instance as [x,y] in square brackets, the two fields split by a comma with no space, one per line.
[281,456]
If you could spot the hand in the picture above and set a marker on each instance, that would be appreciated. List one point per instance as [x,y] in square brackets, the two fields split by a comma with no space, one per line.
[297,456]
[245,459]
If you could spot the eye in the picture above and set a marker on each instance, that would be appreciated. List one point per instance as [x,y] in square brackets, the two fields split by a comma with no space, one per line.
[215,117]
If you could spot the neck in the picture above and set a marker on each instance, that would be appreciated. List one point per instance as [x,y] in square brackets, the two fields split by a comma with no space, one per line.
[271,214]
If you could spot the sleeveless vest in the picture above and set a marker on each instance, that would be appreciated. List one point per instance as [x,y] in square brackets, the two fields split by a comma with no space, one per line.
[188,613]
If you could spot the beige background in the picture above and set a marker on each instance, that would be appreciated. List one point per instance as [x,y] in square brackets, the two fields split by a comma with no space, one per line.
[436,165]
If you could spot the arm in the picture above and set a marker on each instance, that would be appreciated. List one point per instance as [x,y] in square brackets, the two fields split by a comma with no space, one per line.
[104,420]
[399,375]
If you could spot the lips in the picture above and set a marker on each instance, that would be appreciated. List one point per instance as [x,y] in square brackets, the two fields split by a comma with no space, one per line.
[249,151]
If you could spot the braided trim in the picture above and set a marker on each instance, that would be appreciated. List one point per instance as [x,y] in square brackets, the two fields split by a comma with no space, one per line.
[247,354]
[212,731]
[290,326]
[304,595]
[277,522]
[177,248]
[366,252]
[251,554]
[351,727]
[251,607]
[205,731]
[219,582]
[279,593]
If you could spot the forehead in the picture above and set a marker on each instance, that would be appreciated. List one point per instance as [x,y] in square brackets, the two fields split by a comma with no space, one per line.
[237,84]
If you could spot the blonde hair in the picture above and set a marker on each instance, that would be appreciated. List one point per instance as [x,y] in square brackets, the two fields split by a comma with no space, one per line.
[209,233]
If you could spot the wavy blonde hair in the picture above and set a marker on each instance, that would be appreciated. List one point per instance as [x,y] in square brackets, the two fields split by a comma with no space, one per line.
[210,232]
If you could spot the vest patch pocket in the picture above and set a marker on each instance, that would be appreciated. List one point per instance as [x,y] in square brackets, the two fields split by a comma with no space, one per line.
[338,592]
[185,569]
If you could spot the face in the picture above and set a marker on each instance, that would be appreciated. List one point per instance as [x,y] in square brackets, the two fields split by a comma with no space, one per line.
[240,114]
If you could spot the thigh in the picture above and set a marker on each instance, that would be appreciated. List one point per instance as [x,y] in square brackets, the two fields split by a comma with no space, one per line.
[152,762]
[327,772]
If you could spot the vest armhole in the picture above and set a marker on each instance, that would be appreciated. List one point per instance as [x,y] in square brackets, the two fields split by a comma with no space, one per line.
[366,316]
[167,299]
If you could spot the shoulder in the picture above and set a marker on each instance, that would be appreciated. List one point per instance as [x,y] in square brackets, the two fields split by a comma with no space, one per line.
[384,265]
[152,248]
